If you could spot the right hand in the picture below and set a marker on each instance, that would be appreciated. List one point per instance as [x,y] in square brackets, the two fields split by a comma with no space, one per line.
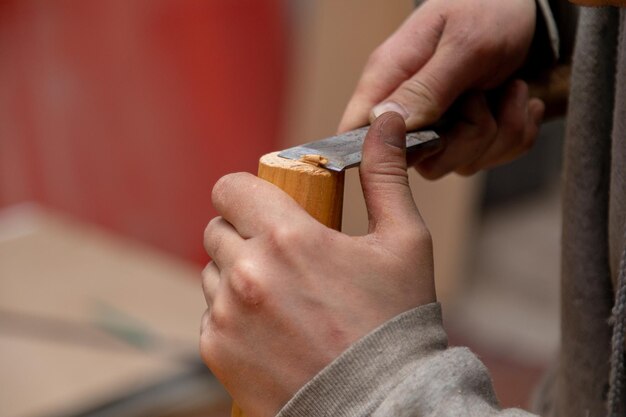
[449,51]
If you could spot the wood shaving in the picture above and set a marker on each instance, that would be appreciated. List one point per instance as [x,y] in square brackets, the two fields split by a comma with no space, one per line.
[316,160]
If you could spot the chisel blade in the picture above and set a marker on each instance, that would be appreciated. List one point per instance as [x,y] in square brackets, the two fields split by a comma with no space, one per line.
[344,151]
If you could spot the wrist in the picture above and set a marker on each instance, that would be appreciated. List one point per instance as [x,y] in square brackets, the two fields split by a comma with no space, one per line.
[371,367]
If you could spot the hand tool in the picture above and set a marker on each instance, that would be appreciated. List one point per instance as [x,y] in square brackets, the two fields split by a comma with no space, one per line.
[344,150]
[313,174]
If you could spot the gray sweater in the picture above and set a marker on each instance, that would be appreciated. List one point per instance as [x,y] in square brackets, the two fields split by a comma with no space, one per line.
[405,368]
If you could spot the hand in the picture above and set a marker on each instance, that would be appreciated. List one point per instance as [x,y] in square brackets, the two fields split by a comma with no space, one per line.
[287,295]
[448,51]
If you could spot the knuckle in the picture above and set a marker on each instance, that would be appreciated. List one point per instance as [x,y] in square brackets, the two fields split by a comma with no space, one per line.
[212,241]
[225,184]
[204,321]
[206,277]
[247,284]
[219,318]
[207,229]
[220,187]
[210,227]
[283,238]
[422,89]
[474,43]
[475,47]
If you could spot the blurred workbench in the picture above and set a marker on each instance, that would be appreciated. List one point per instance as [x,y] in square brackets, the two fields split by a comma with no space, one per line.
[87,319]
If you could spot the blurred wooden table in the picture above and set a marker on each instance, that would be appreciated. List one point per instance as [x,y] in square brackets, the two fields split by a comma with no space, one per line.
[85,316]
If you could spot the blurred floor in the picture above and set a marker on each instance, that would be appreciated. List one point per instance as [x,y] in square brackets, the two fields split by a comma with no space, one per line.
[96,325]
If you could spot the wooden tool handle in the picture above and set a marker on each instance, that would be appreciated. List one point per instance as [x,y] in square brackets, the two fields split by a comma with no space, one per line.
[553,88]
[318,190]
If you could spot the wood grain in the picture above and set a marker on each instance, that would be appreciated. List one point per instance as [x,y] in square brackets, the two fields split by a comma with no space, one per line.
[318,190]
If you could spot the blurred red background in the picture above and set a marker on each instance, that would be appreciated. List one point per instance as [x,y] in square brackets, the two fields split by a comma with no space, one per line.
[126,113]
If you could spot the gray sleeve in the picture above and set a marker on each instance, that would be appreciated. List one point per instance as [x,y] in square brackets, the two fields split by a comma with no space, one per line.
[404,368]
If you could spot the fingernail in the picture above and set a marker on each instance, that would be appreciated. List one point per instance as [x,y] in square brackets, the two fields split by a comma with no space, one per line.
[387,107]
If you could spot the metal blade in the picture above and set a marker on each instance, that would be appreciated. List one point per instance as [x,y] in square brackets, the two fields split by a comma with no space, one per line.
[344,150]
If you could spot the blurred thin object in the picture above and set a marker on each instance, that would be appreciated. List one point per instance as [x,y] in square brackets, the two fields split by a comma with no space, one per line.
[26,325]
[89,320]
[132,331]
[109,330]
[195,393]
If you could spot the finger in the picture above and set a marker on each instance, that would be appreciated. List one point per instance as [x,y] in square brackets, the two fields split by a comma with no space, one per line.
[518,123]
[384,178]
[393,62]
[252,205]
[210,282]
[425,151]
[464,143]
[536,112]
[423,98]
[511,125]
[204,323]
[222,242]
[534,116]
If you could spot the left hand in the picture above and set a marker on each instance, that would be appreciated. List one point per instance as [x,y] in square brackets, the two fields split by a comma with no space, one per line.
[453,52]
[287,295]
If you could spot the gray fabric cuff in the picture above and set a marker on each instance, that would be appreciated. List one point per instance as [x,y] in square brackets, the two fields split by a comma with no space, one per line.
[367,371]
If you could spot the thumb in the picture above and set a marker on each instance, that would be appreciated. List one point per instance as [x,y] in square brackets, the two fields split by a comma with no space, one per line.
[422,99]
[384,177]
